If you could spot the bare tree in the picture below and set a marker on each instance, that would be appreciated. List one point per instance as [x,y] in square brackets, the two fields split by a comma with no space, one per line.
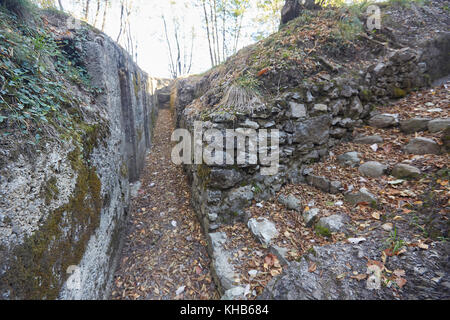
[179,49]
[105,14]
[86,10]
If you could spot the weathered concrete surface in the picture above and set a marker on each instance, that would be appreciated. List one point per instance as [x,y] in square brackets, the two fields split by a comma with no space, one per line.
[65,205]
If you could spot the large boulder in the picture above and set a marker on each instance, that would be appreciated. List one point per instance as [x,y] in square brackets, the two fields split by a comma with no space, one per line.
[349,159]
[446,140]
[405,171]
[263,229]
[342,272]
[291,202]
[438,125]
[221,267]
[368,140]
[363,195]
[334,223]
[372,169]
[384,120]
[224,178]
[422,146]
[414,125]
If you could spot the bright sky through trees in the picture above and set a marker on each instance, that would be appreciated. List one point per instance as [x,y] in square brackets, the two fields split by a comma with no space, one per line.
[148,30]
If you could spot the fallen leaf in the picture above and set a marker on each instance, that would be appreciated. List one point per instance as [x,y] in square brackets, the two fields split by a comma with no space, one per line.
[399,273]
[275,272]
[376,215]
[400,282]
[359,277]
[423,246]
[312,267]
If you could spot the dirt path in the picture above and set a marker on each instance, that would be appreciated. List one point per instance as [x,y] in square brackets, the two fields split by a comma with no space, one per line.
[164,255]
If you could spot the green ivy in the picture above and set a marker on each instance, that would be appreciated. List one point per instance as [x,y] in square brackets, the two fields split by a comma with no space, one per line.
[31,95]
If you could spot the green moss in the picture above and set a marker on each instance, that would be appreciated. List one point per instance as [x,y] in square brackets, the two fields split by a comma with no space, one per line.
[399,93]
[50,191]
[136,84]
[124,170]
[140,134]
[365,95]
[204,172]
[322,231]
[39,268]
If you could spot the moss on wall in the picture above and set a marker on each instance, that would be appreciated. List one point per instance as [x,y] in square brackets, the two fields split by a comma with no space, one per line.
[38,269]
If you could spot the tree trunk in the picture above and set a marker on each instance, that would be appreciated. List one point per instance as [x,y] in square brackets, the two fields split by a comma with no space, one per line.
[208,33]
[86,10]
[97,13]
[105,14]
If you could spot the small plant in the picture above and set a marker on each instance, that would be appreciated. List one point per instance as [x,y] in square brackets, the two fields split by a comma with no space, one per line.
[248,81]
[393,243]
[322,231]
[256,188]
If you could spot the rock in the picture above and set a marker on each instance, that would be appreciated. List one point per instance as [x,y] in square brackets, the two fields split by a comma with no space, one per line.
[320,108]
[414,125]
[338,133]
[363,195]
[349,159]
[334,223]
[446,140]
[290,11]
[236,293]
[310,217]
[422,146]
[297,110]
[318,182]
[356,108]
[356,240]
[224,178]
[239,198]
[335,187]
[280,253]
[405,171]
[384,120]
[315,130]
[387,227]
[250,124]
[334,280]
[372,169]
[222,268]
[438,125]
[368,140]
[403,55]
[263,229]
[291,202]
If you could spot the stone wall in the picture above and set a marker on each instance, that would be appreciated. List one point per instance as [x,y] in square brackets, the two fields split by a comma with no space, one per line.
[320,113]
[65,205]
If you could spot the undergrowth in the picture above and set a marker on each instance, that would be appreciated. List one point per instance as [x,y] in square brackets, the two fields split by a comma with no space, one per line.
[35,70]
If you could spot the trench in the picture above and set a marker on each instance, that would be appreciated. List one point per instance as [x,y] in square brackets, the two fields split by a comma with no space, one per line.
[164,255]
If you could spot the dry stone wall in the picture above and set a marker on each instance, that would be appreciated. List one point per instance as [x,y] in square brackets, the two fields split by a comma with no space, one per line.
[317,115]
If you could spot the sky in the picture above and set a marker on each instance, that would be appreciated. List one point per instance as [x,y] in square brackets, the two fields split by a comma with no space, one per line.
[147,27]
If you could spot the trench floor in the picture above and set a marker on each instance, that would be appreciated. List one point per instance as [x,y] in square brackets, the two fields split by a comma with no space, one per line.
[165,252]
